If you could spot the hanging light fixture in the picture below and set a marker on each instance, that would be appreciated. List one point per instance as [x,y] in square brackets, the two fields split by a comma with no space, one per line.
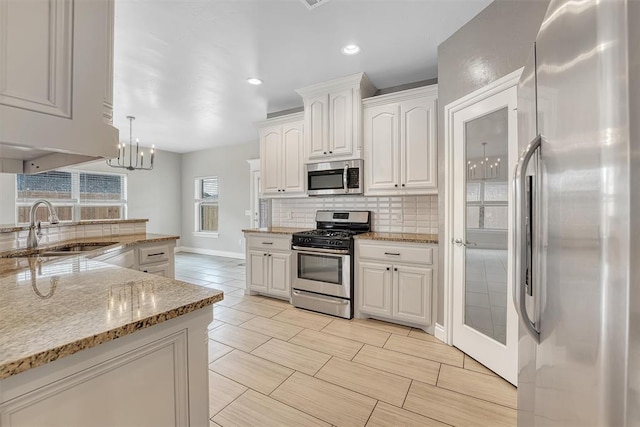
[133,158]
[488,169]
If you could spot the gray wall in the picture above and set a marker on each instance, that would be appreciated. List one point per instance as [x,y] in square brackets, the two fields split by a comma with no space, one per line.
[151,194]
[493,44]
[229,164]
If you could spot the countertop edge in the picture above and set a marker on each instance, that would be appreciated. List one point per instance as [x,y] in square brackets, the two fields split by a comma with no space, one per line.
[275,230]
[399,237]
[38,359]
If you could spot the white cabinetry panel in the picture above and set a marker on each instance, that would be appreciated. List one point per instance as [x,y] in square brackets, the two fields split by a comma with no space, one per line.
[375,288]
[38,38]
[281,156]
[400,143]
[394,282]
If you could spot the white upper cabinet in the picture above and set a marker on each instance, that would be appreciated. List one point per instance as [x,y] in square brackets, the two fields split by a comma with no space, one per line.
[56,76]
[333,118]
[281,156]
[400,142]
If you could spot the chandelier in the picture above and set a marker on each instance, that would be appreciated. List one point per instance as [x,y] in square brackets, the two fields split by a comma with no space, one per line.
[487,169]
[133,158]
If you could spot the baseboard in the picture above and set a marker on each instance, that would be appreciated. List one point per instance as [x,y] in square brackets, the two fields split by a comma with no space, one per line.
[235,255]
[439,332]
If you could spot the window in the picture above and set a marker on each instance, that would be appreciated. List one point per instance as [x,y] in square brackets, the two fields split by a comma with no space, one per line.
[75,195]
[487,205]
[206,206]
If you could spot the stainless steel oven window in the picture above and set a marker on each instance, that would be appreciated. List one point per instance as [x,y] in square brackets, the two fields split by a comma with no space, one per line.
[320,268]
[325,180]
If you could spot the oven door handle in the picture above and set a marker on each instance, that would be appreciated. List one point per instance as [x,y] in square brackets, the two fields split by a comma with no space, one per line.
[321,250]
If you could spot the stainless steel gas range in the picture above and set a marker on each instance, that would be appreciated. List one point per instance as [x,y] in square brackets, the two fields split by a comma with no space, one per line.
[323,262]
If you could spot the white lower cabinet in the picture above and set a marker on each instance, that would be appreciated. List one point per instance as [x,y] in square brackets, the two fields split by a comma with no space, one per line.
[153,258]
[153,377]
[269,265]
[394,282]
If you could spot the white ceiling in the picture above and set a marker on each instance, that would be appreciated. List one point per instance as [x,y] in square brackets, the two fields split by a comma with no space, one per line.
[181,65]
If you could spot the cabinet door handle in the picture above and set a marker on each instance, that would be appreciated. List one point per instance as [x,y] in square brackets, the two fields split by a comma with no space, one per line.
[392,253]
[156,254]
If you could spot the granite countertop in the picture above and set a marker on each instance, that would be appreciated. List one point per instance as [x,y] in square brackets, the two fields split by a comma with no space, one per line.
[275,230]
[18,257]
[399,237]
[9,228]
[55,308]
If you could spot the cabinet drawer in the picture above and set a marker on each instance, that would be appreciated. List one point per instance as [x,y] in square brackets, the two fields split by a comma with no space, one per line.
[158,270]
[268,243]
[153,254]
[396,253]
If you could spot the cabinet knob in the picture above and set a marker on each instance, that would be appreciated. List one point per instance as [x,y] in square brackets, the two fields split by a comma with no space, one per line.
[279,190]
[325,152]
[269,255]
[264,254]
[330,152]
[403,185]
[395,269]
[283,190]
[395,185]
[388,268]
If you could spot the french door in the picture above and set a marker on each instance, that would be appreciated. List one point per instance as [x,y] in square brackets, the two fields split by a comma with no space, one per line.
[485,323]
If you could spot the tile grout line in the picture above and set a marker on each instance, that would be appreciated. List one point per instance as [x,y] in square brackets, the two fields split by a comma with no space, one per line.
[407,395]
[325,364]
[372,411]
[225,406]
[438,377]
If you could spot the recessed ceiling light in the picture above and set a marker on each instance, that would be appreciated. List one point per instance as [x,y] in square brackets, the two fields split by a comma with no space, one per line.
[350,49]
[254,81]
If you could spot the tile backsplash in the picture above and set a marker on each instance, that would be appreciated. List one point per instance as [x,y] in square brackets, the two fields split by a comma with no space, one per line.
[397,214]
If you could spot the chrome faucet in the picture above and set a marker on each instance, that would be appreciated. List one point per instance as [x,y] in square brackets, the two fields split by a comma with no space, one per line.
[35,230]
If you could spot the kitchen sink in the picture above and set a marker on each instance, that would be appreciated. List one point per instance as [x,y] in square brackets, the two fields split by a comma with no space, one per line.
[66,250]
[75,249]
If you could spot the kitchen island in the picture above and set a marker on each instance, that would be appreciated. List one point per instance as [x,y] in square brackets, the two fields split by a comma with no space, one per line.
[83,343]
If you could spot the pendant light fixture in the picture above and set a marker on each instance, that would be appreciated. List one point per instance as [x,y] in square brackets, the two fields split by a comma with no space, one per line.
[136,161]
[487,170]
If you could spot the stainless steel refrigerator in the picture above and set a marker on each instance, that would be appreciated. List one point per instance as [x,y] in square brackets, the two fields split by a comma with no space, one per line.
[577,239]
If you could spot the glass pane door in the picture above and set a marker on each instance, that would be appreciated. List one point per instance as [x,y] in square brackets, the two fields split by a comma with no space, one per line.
[487,175]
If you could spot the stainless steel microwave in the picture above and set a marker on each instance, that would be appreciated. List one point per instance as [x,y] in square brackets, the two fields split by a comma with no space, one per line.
[335,178]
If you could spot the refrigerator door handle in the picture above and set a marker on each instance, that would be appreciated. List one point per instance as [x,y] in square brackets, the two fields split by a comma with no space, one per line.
[520,243]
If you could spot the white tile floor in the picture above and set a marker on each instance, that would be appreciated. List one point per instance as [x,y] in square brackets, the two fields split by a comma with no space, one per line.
[486,292]
[272,364]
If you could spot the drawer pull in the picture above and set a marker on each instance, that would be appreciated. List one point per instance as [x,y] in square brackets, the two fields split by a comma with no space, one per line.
[156,254]
[392,253]
[267,243]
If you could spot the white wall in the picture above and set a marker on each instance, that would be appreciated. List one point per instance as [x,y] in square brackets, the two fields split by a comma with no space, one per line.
[229,164]
[154,195]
